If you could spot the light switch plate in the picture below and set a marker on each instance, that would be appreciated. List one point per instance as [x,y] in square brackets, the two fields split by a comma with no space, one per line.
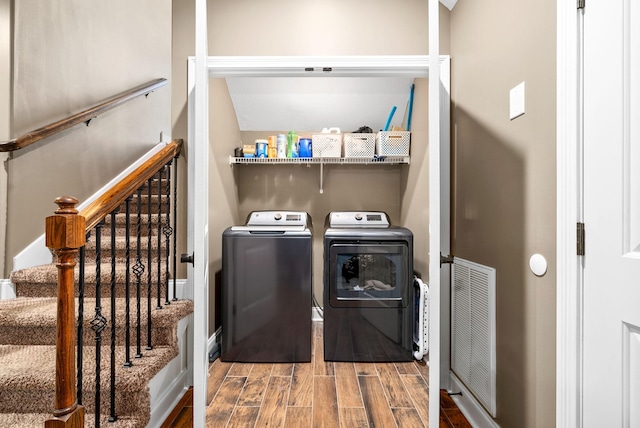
[516,101]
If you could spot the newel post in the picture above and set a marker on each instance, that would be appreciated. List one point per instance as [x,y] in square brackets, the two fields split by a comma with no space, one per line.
[65,234]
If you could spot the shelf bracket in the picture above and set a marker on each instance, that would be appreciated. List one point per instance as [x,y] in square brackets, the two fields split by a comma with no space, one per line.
[321,177]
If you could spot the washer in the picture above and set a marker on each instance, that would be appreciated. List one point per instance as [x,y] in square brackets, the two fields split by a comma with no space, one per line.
[368,288]
[266,288]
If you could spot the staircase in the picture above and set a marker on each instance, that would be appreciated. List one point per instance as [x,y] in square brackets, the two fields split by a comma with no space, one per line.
[28,326]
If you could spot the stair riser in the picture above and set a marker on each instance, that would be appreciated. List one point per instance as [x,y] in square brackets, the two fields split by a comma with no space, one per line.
[121,231]
[51,290]
[121,258]
[144,205]
[160,336]
[30,401]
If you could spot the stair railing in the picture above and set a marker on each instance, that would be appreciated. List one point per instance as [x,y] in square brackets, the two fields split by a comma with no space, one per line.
[67,232]
[84,116]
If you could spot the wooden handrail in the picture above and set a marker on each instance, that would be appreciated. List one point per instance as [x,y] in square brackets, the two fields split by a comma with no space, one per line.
[114,197]
[83,116]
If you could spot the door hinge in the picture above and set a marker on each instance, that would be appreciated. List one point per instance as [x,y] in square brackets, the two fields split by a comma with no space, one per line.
[581,4]
[580,239]
[445,259]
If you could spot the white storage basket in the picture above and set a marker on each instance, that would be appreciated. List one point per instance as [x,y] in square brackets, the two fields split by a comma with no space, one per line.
[327,144]
[359,145]
[393,143]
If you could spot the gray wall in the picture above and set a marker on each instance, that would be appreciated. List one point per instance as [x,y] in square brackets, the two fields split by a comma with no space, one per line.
[5,114]
[504,181]
[69,55]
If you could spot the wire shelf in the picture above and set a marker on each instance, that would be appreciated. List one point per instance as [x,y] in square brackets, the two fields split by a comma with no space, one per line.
[376,160]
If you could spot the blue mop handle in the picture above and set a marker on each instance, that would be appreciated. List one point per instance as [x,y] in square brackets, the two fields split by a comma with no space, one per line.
[391,113]
[410,107]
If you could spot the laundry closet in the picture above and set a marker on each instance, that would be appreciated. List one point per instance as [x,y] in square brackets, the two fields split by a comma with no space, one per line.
[322,186]
[374,78]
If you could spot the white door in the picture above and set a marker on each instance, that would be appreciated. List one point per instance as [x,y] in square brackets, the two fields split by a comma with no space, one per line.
[611,329]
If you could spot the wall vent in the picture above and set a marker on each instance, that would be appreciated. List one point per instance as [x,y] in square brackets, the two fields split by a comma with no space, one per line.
[473,329]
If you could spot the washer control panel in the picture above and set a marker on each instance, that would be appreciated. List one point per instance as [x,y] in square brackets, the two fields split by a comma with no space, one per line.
[277,218]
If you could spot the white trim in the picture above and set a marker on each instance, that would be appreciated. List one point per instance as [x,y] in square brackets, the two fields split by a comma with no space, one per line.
[198,206]
[34,254]
[435,206]
[168,386]
[294,66]
[569,308]
[414,65]
[37,253]
[181,289]
[7,289]
[341,66]
[445,218]
[470,406]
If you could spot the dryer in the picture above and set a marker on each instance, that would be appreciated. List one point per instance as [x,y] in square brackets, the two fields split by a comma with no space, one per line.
[368,288]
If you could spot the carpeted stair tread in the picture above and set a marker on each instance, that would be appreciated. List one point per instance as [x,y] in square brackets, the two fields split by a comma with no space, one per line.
[32,420]
[27,379]
[32,321]
[42,281]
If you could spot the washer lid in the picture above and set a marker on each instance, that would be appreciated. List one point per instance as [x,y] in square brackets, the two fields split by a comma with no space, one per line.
[355,219]
[277,220]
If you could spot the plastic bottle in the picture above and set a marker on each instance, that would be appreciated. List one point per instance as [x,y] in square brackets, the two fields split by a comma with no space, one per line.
[292,145]
[281,146]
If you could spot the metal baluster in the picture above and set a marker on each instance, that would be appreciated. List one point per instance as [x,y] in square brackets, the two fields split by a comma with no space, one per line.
[127,283]
[99,322]
[159,306]
[175,227]
[80,341]
[167,231]
[112,413]
[149,229]
[138,270]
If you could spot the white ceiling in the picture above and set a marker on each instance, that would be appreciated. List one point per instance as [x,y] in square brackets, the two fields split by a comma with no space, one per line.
[313,103]
[449,3]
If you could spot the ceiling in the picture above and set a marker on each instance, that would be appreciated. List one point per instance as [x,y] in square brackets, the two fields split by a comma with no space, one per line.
[313,103]
[449,3]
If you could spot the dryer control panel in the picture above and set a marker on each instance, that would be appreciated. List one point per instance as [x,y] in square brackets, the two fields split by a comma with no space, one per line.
[356,219]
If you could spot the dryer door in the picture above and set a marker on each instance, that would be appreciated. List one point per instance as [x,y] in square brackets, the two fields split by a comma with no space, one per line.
[369,274]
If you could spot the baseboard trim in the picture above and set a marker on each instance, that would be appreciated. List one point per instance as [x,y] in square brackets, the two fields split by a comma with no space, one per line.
[469,406]
[7,289]
[181,285]
[170,384]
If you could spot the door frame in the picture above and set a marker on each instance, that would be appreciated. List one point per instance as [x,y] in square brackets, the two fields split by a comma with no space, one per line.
[439,155]
[569,309]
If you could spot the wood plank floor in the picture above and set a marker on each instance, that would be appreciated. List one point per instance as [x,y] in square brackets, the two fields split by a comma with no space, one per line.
[318,394]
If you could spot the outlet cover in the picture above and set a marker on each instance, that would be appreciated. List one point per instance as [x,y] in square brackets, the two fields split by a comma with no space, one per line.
[516,101]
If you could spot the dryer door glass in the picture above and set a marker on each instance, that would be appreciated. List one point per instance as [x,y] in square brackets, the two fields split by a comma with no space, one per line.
[369,274]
